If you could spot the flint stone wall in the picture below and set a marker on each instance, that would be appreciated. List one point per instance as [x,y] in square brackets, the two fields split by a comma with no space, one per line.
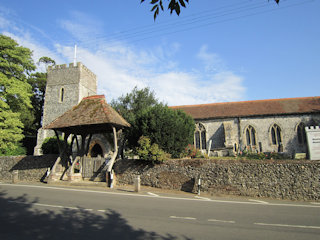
[294,180]
[30,168]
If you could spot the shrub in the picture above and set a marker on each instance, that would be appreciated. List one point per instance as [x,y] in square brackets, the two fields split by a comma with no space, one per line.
[191,151]
[150,152]
[171,129]
[17,151]
[50,146]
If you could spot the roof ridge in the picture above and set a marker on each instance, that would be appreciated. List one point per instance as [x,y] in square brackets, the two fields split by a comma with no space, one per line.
[94,97]
[246,101]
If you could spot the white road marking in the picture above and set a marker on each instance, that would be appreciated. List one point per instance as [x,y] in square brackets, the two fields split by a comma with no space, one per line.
[258,201]
[46,205]
[88,209]
[153,194]
[286,225]
[51,205]
[162,197]
[203,198]
[223,221]
[187,218]
[102,210]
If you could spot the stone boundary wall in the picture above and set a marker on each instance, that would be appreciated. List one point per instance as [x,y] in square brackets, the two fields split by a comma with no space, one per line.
[30,168]
[294,180]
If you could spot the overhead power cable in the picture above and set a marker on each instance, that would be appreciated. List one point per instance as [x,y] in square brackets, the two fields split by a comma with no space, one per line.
[182,24]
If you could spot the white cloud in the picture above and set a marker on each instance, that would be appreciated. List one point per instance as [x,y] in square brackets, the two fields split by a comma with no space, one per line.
[211,61]
[38,50]
[81,26]
[119,67]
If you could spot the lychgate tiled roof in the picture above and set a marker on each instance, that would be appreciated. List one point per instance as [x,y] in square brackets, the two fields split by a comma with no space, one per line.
[283,106]
[91,111]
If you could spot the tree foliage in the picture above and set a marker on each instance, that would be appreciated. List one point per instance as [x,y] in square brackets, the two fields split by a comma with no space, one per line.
[171,129]
[16,65]
[47,61]
[50,145]
[150,152]
[131,106]
[38,83]
[173,6]
[10,129]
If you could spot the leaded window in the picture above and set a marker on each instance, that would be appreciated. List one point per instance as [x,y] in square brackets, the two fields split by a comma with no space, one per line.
[301,132]
[251,137]
[276,138]
[200,138]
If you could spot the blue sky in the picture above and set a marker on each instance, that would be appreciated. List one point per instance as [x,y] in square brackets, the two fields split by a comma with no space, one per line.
[215,51]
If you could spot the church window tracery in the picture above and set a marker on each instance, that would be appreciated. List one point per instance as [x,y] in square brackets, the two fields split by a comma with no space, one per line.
[276,137]
[301,132]
[200,140]
[250,137]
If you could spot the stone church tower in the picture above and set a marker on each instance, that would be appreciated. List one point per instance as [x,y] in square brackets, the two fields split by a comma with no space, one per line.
[66,86]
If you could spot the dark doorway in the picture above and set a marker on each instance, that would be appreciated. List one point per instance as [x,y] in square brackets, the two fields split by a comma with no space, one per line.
[96,151]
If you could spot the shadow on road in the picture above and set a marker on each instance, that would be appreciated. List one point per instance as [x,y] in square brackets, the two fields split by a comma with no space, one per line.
[18,220]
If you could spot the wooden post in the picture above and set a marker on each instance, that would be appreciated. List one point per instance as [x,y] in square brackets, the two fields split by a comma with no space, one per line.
[88,144]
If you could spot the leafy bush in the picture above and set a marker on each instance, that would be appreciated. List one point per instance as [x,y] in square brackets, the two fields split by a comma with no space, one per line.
[17,151]
[191,151]
[171,129]
[150,152]
[50,145]
[131,106]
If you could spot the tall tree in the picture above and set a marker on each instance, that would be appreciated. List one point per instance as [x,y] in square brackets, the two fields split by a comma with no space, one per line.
[172,130]
[38,83]
[131,106]
[16,65]
[10,127]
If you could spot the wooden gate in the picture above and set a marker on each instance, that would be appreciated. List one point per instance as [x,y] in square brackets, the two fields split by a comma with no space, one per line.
[94,168]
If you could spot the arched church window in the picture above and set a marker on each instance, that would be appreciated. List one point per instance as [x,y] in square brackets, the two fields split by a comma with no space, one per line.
[301,132]
[200,138]
[61,98]
[251,137]
[276,138]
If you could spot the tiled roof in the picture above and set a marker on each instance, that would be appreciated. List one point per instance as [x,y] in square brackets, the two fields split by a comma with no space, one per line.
[253,108]
[93,111]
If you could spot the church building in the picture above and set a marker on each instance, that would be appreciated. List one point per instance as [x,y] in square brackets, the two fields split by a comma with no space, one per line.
[275,125]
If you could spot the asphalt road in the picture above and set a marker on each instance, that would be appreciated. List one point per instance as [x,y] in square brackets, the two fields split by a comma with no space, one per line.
[47,212]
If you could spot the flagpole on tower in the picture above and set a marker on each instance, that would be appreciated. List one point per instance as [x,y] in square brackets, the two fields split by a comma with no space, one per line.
[75,55]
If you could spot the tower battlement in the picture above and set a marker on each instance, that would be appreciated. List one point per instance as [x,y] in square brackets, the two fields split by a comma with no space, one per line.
[79,65]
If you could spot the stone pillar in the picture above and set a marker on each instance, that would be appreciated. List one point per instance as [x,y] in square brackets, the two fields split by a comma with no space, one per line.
[15,176]
[137,184]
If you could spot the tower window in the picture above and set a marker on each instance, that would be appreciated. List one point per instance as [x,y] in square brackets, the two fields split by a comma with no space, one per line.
[61,98]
